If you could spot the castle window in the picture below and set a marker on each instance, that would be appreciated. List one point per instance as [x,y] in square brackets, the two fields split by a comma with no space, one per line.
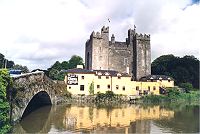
[107,77]
[69,87]
[154,88]
[119,77]
[125,61]
[123,88]
[98,86]
[82,77]
[117,86]
[169,79]
[108,86]
[137,88]
[99,77]
[81,87]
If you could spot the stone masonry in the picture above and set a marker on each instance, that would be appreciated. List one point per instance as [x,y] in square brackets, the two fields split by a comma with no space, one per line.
[132,56]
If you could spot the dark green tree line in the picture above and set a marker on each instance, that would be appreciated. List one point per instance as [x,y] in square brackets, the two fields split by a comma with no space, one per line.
[182,69]
[11,64]
[55,71]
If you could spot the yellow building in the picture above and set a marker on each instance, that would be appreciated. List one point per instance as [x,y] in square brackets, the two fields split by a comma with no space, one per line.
[79,81]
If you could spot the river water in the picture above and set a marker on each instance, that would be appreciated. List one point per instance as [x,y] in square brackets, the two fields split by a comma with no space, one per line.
[125,119]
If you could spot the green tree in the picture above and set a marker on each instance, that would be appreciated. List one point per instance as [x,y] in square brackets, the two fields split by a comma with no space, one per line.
[183,70]
[5,84]
[56,73]
[3,61]
[91,88]
[74,61]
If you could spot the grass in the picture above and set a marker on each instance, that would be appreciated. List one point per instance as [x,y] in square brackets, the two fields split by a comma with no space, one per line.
[173,95]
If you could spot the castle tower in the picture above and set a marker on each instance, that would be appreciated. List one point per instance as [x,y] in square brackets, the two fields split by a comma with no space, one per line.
[96,52]
[141,56]
[132,56]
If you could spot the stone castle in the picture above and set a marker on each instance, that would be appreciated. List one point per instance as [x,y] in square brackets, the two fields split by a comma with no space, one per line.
[132,56]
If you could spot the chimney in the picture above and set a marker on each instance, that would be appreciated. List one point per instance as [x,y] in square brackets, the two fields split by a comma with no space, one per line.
[112,39]
[79,66]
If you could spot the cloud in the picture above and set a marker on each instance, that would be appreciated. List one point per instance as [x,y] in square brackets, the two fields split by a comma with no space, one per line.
[36,33]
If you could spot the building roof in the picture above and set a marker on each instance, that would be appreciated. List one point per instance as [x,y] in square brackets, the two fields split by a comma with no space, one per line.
[78,70]
[156,77]
[97,72]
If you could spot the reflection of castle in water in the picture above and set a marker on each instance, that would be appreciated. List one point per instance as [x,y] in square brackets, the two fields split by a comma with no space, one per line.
[124,120]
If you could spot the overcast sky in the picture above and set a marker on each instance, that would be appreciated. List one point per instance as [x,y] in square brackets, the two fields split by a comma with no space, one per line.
[36,33]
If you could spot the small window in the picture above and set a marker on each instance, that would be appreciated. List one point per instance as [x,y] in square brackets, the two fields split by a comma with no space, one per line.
[149,88]
[123,88]
[108,86]
[107,77]
[82,77]
[137,87]
[98,86]
[99,77]
[169,80]
[154,88]
[119,77]
[81,87]
[69,87]
[117,86]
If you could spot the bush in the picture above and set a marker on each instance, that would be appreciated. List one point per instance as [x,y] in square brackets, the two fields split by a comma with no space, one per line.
[5,84]
[186,86]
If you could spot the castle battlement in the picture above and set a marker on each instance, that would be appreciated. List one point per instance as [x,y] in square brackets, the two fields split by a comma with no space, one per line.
[97,35]
[105,29]
[143,36]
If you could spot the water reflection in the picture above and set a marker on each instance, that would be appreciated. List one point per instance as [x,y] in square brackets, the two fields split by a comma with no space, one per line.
[122,119]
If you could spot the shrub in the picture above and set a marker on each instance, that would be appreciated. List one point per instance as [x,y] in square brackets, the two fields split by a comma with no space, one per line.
[5,85]
[187,86]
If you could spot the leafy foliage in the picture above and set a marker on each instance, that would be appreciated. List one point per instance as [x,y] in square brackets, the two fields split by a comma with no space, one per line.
[183,70]
[109,95]
[56,73]
[3,60]
[187,86]
[173,95]
[5,85]
[91,88]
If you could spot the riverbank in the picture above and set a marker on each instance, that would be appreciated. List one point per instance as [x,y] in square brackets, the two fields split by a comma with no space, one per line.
[109,98]
[173,96]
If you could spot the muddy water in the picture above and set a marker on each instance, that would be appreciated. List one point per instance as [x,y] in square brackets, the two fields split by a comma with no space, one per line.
[111,119]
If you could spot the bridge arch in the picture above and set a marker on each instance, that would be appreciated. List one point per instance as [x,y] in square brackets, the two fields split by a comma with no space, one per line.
[33,90]
[40,99]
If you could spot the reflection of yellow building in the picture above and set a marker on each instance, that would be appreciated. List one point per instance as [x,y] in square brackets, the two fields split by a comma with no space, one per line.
[91,118]
[80,80]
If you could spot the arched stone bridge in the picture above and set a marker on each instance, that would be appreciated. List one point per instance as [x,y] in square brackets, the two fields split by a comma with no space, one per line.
[31,91]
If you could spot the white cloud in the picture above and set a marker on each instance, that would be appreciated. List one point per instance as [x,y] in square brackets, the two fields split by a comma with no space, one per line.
[36,33]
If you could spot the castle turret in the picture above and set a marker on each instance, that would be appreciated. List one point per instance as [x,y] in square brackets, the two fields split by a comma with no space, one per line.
[142,56]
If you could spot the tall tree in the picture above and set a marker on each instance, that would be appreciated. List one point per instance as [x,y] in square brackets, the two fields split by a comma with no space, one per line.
[55,72]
